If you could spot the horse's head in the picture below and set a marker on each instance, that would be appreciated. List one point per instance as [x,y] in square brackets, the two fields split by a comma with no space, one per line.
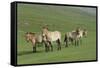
[28,36]
[44,31]
[84,32]
[78,31]
[44,37]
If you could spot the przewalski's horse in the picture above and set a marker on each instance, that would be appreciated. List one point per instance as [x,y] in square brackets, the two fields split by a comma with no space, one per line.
[75,36]
[51,36]
[34,39]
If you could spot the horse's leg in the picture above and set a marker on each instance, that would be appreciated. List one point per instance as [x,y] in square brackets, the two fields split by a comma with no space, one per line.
[59,44]
[34,49]
[66,44]
[46,48]
[80,40]
[75,43]
[72,41]
[51,46]
[34,45]
[66,41]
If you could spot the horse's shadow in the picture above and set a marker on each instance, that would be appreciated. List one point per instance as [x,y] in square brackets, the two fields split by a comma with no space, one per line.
[27,52]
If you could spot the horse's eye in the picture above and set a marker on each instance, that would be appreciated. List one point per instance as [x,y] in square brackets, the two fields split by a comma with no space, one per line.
[43,36]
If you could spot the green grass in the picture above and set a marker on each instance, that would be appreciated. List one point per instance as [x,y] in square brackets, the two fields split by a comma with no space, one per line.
[31,18]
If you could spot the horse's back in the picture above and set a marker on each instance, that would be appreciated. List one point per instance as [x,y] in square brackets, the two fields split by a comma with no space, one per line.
[39,38]
[55,35]
[71,34]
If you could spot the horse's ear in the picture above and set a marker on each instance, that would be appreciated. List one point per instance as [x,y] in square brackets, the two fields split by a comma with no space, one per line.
[26,33]
[30,32]
[85,30]
[78,28]
[45,27]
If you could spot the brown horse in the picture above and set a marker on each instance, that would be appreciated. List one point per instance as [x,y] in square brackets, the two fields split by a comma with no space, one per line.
[34,39]
[50,36]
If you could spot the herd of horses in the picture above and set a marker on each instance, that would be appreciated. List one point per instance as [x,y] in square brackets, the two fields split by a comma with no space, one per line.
[48,37]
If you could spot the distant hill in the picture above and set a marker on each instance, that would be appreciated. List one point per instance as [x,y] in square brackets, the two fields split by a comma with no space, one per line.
[91,11]
[35,16]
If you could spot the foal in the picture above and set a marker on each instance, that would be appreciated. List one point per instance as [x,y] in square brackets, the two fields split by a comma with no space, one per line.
[34,39]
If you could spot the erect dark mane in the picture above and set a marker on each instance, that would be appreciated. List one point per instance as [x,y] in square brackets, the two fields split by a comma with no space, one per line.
[45,27]
[31,33]
[77,30]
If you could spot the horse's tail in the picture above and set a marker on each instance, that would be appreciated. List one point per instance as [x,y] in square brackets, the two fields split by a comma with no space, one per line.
[59,37]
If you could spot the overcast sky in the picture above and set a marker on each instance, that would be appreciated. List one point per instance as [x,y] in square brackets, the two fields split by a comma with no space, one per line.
[88,10]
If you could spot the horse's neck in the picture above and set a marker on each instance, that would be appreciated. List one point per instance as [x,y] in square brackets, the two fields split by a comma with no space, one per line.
[81,32]
[46,32]
[32,37]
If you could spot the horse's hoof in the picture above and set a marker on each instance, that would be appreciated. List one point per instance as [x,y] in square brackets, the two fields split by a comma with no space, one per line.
[66,46]
[34,51]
